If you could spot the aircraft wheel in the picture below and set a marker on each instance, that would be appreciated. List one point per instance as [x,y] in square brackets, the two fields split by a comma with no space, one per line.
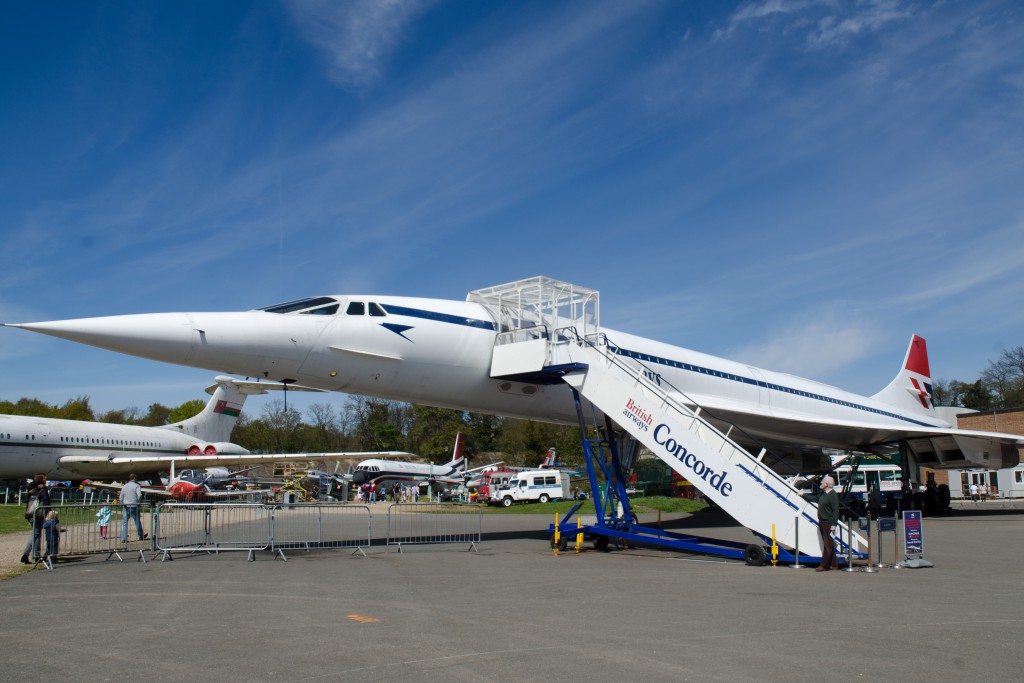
[506,502]
[544,498]
[755,555]
[601,543]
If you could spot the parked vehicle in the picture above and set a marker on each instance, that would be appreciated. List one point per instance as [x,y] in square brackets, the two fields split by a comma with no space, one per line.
[538,486]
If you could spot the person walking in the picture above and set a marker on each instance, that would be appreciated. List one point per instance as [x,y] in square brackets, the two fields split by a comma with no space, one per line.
[828,517]
[131,500]
[35,514]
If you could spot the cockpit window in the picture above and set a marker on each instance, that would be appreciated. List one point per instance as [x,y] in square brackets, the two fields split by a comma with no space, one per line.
[302,304]
[324,310]
[376,310]
[356,308]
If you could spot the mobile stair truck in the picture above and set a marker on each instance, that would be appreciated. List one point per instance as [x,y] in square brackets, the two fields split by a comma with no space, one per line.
[553,336]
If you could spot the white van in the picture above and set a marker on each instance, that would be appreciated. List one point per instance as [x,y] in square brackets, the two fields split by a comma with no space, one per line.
[535,485]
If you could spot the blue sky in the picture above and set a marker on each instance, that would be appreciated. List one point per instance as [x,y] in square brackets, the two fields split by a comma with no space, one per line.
[797,184]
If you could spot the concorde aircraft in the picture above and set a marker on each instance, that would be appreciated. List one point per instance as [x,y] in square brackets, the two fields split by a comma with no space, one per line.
[76,450]
[439,352]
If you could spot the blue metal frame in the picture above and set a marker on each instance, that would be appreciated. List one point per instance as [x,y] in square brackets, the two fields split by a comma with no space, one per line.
[622,528]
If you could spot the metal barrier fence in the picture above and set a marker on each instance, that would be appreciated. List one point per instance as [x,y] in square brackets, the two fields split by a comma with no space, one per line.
[176,527]
[71,530]
[320,525]
[416,523]
[212,527]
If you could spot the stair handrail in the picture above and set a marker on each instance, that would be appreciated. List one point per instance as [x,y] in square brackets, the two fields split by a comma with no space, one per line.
[631,365]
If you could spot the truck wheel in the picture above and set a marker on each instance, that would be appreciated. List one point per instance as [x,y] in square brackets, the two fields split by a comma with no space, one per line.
[544,498]
[563,542]
[506,501]
[755,555]
[601,543]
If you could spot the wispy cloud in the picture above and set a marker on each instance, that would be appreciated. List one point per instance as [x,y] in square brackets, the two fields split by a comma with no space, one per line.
[865,17]
[355,37]
[823,23]
[817,344]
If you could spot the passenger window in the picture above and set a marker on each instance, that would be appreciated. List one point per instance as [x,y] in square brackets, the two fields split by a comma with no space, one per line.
[376,310]
[549,480]
[356,308]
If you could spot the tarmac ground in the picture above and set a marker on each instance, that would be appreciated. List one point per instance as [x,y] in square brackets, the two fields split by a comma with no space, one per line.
[513,611]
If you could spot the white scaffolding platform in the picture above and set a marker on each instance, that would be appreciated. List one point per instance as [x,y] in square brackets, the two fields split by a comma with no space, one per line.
[541,302]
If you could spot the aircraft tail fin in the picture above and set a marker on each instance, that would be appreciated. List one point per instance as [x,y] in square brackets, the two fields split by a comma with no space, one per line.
[458,459]
[549,459]
[218,418]
[911,390]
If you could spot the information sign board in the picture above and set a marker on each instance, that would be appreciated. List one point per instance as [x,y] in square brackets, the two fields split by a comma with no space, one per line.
[913,537]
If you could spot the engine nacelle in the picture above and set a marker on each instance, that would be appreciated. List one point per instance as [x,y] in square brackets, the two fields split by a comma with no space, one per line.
[218,448]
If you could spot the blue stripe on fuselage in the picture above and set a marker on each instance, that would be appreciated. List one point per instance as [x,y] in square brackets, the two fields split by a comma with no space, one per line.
[648,358]
[439,317]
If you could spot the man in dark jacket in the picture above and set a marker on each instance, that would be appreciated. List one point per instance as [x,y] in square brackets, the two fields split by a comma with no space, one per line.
[828,517]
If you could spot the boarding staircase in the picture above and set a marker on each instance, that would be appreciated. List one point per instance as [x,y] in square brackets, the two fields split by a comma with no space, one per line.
[661,418]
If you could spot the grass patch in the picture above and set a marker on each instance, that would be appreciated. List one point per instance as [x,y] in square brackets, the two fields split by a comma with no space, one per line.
[640,505]
[12,520]
[666,504]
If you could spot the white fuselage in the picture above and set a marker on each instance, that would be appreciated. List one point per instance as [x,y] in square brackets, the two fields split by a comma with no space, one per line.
[438,352]
[29,445]
[390,471]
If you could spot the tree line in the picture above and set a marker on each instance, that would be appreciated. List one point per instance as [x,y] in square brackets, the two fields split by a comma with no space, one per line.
[1001,385]
[361,424]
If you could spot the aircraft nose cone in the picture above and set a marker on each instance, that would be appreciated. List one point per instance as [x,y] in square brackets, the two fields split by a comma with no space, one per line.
[170,336]
[253,343]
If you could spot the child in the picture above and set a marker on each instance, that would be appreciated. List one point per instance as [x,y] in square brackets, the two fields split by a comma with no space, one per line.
[103,521]
[51,529]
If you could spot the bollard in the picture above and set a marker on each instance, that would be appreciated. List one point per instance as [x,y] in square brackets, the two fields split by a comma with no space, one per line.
[557,535]
[579,533]
[775,549]
[796,543]
[849,547]
[870,569]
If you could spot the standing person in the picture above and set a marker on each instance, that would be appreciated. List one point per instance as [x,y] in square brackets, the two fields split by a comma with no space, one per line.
[103,520]
[828,516]
[874,501]
[52,529]
[131,500]
[974,492]
[39,494]
[373,492]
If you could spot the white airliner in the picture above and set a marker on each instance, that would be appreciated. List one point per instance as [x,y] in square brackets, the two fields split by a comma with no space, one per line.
[439,352]
[386,472]
[76,450]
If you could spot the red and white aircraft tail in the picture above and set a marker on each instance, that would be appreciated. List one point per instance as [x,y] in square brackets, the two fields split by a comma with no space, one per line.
[458,459]
[911,390]
[549,460]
